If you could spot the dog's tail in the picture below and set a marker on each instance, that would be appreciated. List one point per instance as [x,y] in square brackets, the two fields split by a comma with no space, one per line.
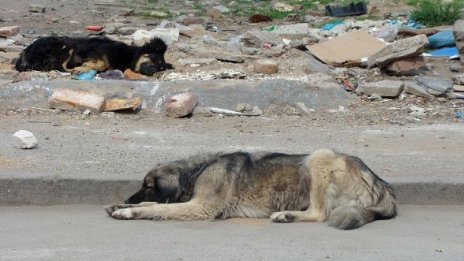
[354,195]
[351,217]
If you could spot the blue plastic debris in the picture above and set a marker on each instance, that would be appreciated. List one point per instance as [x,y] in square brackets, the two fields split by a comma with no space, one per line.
[451,52]
[413,24]
[89,75]
[458,114]
[330,26]
[442,39]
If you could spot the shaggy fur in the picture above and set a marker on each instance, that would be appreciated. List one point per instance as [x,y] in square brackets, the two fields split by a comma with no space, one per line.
[324,186]
[76,55]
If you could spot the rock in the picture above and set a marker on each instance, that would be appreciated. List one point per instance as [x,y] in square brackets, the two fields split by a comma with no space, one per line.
[209,40]
[158,14]
[265,66]
[458,88]
[127,11]
[303,108]
[403,48]
[226,57]
[8,31]
[375,97]
[181,105]
[74,100]
[456,66]
[188,20]
[127,30]
[243,107]
[258,18]
[411,87]
[458,32]
[24,139]
[168,35]
[198,61]
[257,38]
[406,66]
[459,79]
[434,85]
[406,31]
[222,9]
[112,28]
[282,7]
[292,30]
[36,8]
[385,88]
[122,104]
[416,111]
[86,112]
[256,111]
[204,111]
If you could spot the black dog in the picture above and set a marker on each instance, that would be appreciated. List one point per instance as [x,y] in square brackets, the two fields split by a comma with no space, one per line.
[68,54]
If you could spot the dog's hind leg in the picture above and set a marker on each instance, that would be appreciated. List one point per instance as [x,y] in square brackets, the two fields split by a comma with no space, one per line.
[322,167]
[176,211]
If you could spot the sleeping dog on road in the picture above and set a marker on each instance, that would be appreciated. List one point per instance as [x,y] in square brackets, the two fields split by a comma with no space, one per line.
[322,186]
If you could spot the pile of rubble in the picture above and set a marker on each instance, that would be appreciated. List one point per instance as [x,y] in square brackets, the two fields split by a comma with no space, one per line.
[375,59]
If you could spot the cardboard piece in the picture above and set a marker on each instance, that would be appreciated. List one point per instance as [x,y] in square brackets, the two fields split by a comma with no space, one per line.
[348,49]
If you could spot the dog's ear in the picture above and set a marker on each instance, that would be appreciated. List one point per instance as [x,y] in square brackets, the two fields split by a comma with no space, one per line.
[149,182]
[156,45]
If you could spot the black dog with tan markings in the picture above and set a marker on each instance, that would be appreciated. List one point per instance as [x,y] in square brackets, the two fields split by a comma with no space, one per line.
[76,55]
[323,186]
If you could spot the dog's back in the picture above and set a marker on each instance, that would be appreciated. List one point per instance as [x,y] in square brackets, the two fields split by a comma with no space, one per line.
[45,54]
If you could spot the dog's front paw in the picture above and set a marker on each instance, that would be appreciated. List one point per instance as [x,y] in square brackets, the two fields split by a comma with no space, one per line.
[281,217]
[125,213]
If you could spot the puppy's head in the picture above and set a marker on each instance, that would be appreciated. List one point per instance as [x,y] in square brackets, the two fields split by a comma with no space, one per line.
[152,59]
[158,186]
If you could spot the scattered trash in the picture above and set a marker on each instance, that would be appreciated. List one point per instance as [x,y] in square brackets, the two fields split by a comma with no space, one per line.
[122,104]
[441,39]
[348,49]
[352,9]
[388,33]
[270,28]
[212,27]
[451,52]
[95,28]
[131,75]
[331,25]
[349,84]
[224,111]
[85,76]
[24,139]
[111,75]
[458,114]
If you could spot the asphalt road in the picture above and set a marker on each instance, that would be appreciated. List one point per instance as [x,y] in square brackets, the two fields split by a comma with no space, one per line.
[85,232]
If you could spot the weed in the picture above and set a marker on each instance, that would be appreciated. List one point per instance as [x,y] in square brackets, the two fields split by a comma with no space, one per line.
[436,12]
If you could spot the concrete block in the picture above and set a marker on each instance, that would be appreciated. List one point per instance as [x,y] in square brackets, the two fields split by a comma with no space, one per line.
[74,100]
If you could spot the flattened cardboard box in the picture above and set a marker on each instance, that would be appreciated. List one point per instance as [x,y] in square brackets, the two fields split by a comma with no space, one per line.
[348,49]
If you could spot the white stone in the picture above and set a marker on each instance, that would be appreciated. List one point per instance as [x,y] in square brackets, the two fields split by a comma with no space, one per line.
[24,139]
[168,35]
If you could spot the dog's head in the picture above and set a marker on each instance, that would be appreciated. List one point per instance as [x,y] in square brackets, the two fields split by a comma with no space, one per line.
[152,58]
[158,186]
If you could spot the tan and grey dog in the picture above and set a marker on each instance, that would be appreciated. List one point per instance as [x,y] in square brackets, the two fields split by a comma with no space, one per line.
[323,186]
